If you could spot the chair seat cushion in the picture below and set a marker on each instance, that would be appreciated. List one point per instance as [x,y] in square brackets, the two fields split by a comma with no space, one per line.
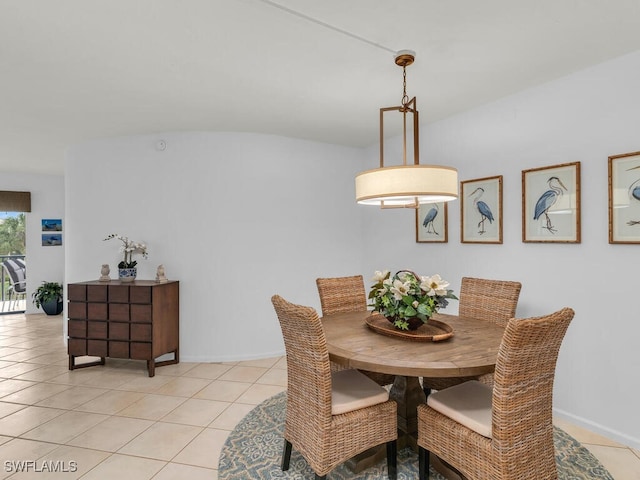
[468,403]
[352,390]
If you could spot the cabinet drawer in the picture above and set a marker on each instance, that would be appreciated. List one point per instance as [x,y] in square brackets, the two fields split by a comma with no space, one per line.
[97,348]
[118,294]
[118,331]
[96,311]
[140,294]
[97,330]
[77,347]
[141,332]
[140,351]
[119,349]
[119,311]
[141,313]
[77,328]
[77,310]
[77,293]
[96,293]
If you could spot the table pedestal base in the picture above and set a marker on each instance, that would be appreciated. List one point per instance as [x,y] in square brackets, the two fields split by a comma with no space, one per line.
[408,394]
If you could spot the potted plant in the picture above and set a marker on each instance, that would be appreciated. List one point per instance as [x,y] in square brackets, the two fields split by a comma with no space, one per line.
[127,271]
[48,296]
[407,299]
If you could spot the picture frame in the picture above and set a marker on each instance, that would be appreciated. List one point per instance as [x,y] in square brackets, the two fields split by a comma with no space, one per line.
[551,204]
[481,210]
[432,223]
[51,240]
[624,198]
[51,224]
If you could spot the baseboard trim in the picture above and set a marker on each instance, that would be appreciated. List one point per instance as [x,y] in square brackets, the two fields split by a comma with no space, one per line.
[610,433]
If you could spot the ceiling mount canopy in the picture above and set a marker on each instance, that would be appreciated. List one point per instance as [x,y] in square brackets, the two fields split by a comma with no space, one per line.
[405,185]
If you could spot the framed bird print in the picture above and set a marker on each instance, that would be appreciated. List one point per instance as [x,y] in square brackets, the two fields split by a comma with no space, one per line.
[431,223]
[481,210]
[551,204]
[624,198]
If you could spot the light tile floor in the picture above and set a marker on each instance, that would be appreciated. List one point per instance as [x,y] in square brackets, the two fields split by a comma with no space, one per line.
[114,421]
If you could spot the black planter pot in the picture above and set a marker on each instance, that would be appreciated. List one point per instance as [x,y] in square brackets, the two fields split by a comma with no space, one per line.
[52,307]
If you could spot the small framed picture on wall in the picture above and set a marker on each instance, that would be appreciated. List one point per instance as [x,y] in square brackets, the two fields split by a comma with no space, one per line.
[481,210]
[431,223]
[51,240]
[51,225]
[551,204]
[624,198]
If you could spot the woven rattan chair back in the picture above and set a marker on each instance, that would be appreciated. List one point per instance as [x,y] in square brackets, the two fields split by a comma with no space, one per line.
[308,371]
[523,392]
[521,446]
[323,439]
[341,294]
[491,300]
[346,294]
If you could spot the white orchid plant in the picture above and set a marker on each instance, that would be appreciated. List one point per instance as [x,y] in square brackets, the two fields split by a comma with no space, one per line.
[129,248]
[407,295]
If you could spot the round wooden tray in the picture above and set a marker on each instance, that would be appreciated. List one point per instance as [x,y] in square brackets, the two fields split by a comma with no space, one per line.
[432,331]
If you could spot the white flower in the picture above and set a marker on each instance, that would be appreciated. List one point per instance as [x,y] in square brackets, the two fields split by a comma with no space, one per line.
[400,289]
[434,285]
[128,249]
[415,304]
[379,276]
[403,275]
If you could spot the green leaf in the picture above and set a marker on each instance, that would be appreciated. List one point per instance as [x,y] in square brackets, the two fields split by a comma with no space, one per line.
[410,311]
[401,324]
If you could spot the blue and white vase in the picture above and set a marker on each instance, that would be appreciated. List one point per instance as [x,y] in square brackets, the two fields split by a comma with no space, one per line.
[127,274]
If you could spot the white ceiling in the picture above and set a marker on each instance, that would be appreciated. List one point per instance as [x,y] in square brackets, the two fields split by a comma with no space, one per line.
[72,70]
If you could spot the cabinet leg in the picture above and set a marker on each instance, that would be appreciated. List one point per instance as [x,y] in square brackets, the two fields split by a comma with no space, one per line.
[151,366]
[73,366]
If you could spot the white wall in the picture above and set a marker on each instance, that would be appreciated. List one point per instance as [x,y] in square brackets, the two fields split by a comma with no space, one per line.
[234,217]
[584,117]
[47,201]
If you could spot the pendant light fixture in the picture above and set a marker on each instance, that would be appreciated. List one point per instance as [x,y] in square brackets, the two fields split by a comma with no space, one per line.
[406,185]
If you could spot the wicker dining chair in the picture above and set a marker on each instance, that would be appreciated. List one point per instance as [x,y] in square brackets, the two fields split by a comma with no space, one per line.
[330,416]
[490,300]
[504,432]
[347,294]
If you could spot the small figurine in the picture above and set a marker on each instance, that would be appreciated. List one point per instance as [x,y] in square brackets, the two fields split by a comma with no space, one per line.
[104,271]
[160,276]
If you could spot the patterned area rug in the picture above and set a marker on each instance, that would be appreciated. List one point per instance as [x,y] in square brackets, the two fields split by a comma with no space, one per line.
[254,450]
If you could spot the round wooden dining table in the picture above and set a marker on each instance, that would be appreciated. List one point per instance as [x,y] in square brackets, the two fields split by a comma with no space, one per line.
[471,351]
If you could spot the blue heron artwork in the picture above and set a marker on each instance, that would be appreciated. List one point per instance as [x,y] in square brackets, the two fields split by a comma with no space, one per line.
[483,209]
[547,200]
[634,194]
[429,218]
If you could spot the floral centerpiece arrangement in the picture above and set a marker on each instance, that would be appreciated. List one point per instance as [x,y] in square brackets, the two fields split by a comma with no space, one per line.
[127,267]
[409,300]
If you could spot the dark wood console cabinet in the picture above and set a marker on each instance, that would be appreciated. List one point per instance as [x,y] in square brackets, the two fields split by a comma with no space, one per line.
[137,320]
